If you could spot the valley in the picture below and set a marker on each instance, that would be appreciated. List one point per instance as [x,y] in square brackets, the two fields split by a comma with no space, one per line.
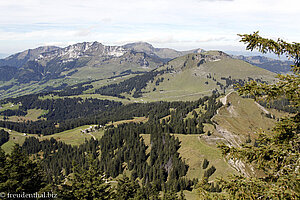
[155,115]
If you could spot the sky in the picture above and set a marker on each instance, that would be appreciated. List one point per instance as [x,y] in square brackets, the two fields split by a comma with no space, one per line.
[177,24]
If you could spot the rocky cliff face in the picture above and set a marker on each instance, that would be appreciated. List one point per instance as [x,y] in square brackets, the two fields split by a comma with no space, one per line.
[85,49]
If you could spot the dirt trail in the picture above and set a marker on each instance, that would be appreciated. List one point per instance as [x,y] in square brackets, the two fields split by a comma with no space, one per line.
[262,108]
[92,135]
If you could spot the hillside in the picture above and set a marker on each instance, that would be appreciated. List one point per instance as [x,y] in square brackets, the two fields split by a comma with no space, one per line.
[183,75]
[187,77]
[193,147]
[195,75]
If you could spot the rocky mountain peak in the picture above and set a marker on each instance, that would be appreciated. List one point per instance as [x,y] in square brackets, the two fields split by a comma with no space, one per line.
[84,49]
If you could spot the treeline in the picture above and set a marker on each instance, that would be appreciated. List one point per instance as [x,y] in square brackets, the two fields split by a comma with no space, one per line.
[282,104]
[136,84]
[122,147]
[18,173]
[17,112]
[58,157]
[61,109]
[229,81]
[69,113]
[4,136]
[123,144]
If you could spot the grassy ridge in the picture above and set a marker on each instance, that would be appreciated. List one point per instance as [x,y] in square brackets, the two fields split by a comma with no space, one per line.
[189,80]
[243,117]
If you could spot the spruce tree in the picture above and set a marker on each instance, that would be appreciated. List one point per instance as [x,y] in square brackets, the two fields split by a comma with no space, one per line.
[19,174]
[277,155]
[126,188]
[87,184]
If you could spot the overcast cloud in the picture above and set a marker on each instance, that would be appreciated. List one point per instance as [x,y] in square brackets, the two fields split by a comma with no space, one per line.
[208,24]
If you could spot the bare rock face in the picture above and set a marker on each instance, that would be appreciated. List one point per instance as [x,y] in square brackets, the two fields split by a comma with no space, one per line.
[85,49]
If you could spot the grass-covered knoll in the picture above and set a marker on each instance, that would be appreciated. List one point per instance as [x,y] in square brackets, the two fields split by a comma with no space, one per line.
[14,138]
[193,150]
[135,120]
[196,75]
[9,106]
[32,115]
[75,136]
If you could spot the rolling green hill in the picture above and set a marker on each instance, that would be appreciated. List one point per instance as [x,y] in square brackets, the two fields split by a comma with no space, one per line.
[196,75]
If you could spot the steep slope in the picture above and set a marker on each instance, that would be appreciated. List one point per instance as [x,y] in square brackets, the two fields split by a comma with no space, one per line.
[240,119]
[238,122]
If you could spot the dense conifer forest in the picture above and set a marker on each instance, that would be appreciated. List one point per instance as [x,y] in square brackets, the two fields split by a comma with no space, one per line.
[157,167]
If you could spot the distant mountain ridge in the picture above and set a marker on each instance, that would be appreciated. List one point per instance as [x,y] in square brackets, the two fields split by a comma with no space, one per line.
[164,53]
[186,73]
[51,62]
[19,59]
[273,65]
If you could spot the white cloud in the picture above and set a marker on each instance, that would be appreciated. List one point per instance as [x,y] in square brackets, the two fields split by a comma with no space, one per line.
[178,23]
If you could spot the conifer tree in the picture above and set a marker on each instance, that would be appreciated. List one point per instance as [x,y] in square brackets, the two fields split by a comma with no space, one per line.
[277,155]
[87,184]
[19,174]
[170,195]
[126,188]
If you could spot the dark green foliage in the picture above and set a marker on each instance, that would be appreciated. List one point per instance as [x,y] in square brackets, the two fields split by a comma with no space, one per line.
[7,72]
[9,112]
[280,104]
[58,156]
[87,183]
[19,174]
[126,189]
[182,196]
[208,133]
[276,154]
[170,195]
[122,147]
[76,89]
[209,172]
[62,115]
[4,136]
[205,163]
[137,82]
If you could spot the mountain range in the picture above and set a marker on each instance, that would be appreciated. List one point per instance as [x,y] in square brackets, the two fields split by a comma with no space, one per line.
[146,111]
[50,68]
